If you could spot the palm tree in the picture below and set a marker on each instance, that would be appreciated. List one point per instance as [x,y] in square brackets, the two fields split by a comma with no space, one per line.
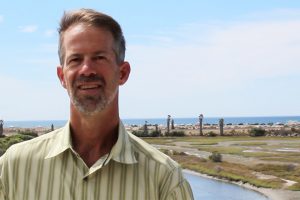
[221,124]
[200,124]
[168,123]
[1,127]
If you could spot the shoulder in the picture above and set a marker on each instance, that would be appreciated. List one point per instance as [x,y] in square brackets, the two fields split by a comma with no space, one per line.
[151,153]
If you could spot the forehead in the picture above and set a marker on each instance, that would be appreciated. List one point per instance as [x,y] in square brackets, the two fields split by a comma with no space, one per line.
[81,37]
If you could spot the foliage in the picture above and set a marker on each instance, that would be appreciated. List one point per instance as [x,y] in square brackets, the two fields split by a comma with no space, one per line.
[155,133]
[175,134]
[243,172]
[295,130]
[6,142]
[257,132]
[28,132]
[211,134]
[229,171]
[215,157]
[146,134]
[140,133]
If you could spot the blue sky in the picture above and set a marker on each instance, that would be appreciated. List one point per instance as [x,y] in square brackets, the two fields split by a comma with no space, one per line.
[219,58]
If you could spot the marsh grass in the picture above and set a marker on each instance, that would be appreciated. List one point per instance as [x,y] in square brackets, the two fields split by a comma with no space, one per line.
[267,151]
[223,150]
[287,171]
[291,159]
[227,171]
[204,143]
[250,144]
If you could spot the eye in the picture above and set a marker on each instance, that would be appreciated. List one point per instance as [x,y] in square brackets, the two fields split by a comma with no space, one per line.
[74,60]
[99,57]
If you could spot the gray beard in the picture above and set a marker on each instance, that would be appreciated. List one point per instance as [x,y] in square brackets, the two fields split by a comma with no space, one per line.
[91,105]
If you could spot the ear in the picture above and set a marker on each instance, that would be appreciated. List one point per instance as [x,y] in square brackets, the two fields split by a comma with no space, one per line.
[124,72]
[60,75]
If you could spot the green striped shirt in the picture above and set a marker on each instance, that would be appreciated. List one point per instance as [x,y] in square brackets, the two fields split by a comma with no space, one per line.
[48,168]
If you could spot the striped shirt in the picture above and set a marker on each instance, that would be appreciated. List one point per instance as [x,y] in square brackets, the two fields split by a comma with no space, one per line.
[48,168]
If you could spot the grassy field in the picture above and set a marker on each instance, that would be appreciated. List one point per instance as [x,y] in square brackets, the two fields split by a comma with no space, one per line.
[270,162]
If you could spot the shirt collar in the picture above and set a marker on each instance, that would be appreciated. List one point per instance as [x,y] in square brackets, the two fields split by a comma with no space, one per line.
[121,152]
[61,141]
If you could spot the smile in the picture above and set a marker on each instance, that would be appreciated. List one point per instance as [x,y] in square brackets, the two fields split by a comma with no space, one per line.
[88,87]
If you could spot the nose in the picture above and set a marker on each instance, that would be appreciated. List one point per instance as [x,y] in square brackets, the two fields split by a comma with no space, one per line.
[87,68]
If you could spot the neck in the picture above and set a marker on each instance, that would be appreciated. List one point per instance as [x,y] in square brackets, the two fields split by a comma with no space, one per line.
[94,136]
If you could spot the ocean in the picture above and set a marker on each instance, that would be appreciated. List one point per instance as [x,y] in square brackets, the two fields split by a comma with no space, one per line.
[163,121]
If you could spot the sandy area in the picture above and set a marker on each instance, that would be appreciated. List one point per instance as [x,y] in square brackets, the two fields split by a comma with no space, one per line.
[270,193]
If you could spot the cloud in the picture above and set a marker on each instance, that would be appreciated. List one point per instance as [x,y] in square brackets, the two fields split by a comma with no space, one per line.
[1,18]
[229,54]
[208,66]
[28,29]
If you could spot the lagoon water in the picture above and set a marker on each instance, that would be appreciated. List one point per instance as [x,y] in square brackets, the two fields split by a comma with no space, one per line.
[209,189]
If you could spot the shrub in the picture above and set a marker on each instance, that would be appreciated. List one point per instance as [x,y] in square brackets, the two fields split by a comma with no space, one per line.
[176,134]
[28,132]
[294,130]
[211,134]
[155,133]
[257,132]
[140,133]
[215,157]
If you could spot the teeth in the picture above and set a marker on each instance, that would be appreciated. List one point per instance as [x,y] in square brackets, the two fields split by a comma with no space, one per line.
[84,87]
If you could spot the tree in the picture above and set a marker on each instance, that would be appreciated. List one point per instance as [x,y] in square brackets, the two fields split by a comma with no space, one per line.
[146,128]
[221,124]
[1,127]
[200,124]
[172,124]
[168,123]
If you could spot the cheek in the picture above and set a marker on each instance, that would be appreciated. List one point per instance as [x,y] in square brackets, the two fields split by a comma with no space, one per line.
[69,77]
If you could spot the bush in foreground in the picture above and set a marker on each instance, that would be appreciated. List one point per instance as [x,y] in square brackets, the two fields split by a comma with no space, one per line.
[215,157]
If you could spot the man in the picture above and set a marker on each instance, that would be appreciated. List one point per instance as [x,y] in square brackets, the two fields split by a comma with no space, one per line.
[92,157]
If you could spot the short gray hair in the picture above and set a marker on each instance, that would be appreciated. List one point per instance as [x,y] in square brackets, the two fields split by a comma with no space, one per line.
[92,18]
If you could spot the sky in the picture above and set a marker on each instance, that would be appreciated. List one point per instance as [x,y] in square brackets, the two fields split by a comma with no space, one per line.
[220,58]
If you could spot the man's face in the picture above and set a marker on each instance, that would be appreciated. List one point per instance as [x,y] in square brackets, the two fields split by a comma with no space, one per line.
[90,72]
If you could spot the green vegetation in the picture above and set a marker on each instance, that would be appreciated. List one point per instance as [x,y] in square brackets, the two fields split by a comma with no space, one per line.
[215,157]
[6,142]
[286,171]
[211,134]
[283,165]
[146,134]
[28,132]
[257,132]
[204,143]
[175,134]
[227,171]
[223,150]
[251,144]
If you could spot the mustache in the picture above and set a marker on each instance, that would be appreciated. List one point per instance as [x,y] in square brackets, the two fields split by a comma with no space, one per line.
[91,78]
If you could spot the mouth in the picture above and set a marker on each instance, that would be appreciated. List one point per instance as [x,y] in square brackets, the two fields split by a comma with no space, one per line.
[89,86]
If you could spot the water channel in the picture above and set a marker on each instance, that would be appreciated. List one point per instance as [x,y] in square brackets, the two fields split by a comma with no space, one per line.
[209,189]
